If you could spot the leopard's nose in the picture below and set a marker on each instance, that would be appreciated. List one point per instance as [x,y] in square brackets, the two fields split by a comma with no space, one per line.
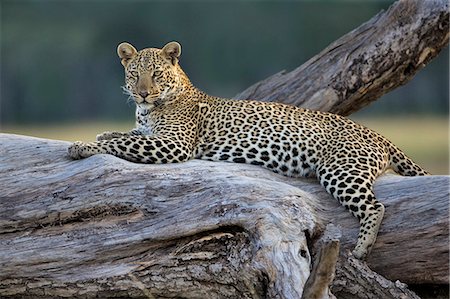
[144,94]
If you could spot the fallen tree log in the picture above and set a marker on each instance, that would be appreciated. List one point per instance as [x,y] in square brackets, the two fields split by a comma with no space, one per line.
[106,227]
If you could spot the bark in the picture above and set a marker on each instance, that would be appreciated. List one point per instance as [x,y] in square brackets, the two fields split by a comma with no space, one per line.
[106,227]
[354,279]
[364,64]
[324,266]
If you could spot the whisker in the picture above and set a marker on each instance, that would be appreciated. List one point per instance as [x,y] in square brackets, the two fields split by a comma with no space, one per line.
[127,92]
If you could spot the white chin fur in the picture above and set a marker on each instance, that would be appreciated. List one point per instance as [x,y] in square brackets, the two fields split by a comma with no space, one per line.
[145,105]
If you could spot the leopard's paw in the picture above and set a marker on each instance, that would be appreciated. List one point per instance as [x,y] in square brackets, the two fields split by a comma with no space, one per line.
[75,150]
[360,252]
[108,135]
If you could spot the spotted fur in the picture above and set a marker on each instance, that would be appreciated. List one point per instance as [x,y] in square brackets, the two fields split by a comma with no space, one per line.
[176,122]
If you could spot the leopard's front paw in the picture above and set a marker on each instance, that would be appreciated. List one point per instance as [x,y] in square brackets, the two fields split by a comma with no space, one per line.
[75,150]
[108,135]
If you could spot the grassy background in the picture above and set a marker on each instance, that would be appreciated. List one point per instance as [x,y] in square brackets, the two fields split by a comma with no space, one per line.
[424,139]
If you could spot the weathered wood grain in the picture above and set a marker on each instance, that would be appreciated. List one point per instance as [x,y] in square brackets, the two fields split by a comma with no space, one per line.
[354,279]
[413,240]
[107,227]
[364,64]
[324,266]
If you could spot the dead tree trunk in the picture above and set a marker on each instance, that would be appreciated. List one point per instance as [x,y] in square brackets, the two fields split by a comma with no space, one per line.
[364,64]
[110,228]
[104,226]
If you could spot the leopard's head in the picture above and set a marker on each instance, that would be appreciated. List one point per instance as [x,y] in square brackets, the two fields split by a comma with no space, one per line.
[151,75]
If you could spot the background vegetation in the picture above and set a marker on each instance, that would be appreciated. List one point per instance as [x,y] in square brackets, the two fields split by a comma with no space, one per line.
[61,78]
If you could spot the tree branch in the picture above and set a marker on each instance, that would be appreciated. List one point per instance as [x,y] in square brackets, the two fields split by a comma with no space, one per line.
[364,64]
[322,273]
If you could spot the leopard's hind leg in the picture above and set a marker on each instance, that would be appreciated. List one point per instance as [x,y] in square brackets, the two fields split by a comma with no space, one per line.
[369,220]
[353,189]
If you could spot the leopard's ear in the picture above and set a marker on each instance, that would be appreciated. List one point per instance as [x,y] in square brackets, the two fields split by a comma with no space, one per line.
[126,52]
[172,52]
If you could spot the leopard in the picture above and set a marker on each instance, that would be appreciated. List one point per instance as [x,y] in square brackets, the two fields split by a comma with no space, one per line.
[176,122]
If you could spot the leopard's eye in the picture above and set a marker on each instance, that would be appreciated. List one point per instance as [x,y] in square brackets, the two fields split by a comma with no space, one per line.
[134,74]
[157,73]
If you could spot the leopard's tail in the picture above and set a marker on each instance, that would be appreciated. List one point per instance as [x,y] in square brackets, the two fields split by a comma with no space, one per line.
[402,164]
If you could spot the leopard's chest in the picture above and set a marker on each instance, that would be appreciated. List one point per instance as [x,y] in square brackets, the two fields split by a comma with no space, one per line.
[143,121]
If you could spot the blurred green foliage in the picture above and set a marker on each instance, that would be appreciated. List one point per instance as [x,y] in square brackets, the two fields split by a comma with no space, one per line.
[59,63]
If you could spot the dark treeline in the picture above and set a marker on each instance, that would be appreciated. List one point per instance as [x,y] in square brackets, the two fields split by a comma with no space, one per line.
[59,63]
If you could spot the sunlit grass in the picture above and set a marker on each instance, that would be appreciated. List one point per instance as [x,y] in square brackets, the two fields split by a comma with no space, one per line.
[424,139]
[70,132]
